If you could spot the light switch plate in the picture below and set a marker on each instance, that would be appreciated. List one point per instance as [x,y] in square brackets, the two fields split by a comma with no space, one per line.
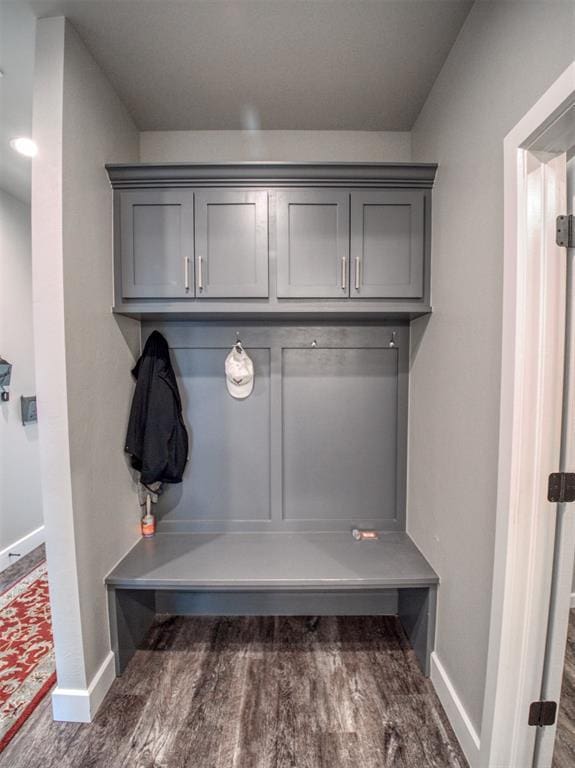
[29,410]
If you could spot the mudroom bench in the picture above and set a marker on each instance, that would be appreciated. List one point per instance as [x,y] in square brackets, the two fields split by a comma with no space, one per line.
[317,269]
[306,574]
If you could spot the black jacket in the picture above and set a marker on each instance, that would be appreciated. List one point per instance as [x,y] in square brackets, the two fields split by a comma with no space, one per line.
[157,439]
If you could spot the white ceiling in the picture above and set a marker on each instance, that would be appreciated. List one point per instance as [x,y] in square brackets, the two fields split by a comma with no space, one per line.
[17,35]
[270,64]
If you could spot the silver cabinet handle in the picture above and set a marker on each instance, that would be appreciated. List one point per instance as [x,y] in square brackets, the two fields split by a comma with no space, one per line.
[357,272]
[343,273]
[200,274]
[187,273]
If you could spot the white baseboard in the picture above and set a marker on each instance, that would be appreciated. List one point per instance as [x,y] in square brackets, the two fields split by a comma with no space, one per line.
[455,711]
[22,547]
[572,599]
[79,705]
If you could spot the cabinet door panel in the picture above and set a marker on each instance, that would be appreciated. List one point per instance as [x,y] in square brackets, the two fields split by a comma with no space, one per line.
[157,243]
[313,243]
[387,244]
[231,244]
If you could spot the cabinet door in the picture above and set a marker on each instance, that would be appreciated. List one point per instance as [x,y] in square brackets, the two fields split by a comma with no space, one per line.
[231,244]
[157,243]
[313,243]
[387,243]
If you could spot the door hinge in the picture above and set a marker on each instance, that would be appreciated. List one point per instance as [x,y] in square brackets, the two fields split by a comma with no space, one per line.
[565,231]
[561,487]
[542,713]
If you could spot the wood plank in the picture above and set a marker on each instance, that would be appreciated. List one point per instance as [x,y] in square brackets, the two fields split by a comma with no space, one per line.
[255,742]
[208,728]
[164,675]
[256,692]
[9,576]
[564,753]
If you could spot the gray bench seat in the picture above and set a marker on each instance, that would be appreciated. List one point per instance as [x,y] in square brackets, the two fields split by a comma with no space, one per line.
[271,574]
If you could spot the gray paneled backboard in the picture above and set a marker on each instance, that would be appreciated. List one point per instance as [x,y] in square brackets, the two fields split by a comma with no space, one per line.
[312,243]
[340,423]
[157,243]
[231,243]
[319,445]
[387,243]
[228,475]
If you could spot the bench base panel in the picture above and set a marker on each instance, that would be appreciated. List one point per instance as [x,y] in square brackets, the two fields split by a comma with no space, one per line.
[132,611]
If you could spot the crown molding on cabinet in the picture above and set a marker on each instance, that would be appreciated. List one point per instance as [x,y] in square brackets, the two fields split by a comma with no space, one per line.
[141,175]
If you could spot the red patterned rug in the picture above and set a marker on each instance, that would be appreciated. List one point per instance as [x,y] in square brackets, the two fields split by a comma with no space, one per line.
[26,651]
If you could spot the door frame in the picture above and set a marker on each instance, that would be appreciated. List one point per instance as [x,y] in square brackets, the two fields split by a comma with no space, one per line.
[559,612]
[530,426]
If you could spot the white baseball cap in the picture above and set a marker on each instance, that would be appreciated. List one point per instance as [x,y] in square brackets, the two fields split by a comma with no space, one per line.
[239,373]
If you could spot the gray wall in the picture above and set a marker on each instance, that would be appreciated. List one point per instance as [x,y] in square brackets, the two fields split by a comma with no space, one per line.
[317,146]
[20,497]
[505,57]
[84,353]
[100,348]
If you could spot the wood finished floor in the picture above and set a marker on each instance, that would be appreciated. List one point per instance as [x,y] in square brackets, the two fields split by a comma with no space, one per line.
[256,692]
[564,754]
[21,567]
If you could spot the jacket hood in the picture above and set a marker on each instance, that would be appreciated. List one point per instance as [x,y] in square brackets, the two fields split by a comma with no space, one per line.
[156,352]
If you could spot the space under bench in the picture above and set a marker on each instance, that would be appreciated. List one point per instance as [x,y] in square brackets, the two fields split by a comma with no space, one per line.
[263,574]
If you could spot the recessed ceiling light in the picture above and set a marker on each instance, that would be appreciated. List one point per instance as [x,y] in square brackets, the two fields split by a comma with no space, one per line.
[24,146]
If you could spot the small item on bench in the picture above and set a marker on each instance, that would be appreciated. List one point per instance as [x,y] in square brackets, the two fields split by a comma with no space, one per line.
[148,495]
[148,521]
[365,535]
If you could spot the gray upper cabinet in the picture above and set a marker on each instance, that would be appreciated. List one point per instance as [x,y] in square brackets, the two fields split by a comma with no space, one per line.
[157,243]
[387,243]
[231,243]
[277,240]
[312,243]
